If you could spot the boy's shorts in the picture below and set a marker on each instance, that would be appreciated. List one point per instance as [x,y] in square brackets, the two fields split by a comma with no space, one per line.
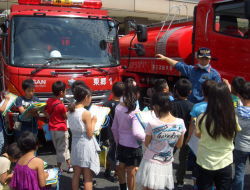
[61,143]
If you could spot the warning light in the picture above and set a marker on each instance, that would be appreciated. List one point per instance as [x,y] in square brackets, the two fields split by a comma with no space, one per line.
[29,2]
[94,4]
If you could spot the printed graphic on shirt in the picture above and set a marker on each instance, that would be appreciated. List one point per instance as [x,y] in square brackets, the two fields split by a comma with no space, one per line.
[167,136]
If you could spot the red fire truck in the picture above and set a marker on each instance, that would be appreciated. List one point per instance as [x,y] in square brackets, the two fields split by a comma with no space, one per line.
[67,40]
[221,25]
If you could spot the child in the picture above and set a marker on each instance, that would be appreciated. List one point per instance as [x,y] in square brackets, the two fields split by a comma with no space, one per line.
[128,135]
[69,91]
[242,140]
[216,129]
[84,147]
[56,112]
[236,87]
[12,155]
[117,92]
[29,170]
[77,83]
[192,140]
[181,108]
[22,103]
[2,108]
[161,86]
[162,135]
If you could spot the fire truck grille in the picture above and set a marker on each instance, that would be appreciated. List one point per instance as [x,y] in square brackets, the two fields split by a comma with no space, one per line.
[98,97]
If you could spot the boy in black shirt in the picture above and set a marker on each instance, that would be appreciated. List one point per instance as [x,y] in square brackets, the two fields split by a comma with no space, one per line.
[181,109]
[117,92]
[22,103]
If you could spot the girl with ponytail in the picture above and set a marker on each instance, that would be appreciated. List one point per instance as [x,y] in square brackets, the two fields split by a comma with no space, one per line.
[128,134]
[84,147]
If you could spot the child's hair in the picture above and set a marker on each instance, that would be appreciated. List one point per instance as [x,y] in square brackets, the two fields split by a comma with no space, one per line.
[14,151]
[237,84]
[131,92]
[130,82]
[183,87]
[162,102]
[206,87]
[118,89]
[28,83]
[58,87]
[27,142]
[78,83]
[220,114]
[245,92]
[80,93]
[160,85]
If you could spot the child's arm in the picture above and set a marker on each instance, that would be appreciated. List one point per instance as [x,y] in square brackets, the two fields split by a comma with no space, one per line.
[191,129]
[4,178]
[89,122]
[114,129]
[180,141]
[181,138]
[148,140]
[197,132]
[21,109]
[63,110]
[197,129]
[41,174]
[3,107]
[137,130]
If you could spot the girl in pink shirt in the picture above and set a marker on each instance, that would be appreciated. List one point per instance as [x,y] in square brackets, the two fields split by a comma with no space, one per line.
[162,135]
[128,134]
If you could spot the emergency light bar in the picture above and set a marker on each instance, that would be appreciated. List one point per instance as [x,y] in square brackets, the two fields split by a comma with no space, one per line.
[94,4]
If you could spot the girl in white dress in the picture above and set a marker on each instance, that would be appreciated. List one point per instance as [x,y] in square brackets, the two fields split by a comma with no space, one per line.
[162,135]
[84,147]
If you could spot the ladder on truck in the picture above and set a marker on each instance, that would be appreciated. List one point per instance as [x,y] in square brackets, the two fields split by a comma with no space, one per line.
[160,41]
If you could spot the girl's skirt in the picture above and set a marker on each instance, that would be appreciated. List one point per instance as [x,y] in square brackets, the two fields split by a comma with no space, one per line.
[155,175]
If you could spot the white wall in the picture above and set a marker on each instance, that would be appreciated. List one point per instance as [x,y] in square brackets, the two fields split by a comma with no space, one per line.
[150,7]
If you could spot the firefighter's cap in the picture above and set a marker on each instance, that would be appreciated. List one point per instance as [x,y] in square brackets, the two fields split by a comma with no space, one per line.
[204,52]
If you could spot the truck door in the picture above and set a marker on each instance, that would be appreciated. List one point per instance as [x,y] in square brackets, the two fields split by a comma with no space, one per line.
[230,39]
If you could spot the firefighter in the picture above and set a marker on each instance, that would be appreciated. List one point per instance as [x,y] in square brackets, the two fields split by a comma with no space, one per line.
[197,74]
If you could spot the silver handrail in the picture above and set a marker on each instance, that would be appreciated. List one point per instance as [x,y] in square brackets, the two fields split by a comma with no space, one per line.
[206,24]
[178,10]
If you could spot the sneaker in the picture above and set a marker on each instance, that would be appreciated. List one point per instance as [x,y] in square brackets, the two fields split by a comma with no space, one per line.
[70,170]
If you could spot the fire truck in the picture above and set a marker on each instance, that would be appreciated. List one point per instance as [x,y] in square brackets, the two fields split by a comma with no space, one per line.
[67,40]
[221,25]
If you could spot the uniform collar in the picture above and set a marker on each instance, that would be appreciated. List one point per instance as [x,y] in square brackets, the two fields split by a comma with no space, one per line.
[208,69]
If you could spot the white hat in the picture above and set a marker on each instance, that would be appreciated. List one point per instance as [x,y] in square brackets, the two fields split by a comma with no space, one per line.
[55,54]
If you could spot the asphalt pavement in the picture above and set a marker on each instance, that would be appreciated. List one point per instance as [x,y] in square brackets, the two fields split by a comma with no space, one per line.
[47,153]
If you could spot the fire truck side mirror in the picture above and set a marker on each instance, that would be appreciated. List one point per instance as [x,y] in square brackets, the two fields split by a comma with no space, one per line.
[142,33]
[247,8]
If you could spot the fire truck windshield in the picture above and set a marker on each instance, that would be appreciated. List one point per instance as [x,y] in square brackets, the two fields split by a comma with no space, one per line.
[79,41]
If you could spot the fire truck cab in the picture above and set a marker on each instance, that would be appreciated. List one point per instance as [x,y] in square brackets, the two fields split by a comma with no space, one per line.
[50,40]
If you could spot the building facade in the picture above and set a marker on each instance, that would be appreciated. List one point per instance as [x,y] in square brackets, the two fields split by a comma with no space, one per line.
[143,11]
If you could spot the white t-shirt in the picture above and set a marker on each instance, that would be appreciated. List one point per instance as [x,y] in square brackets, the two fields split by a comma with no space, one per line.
[164,138]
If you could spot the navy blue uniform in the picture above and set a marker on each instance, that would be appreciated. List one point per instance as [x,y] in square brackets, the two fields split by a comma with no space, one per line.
[197,76]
